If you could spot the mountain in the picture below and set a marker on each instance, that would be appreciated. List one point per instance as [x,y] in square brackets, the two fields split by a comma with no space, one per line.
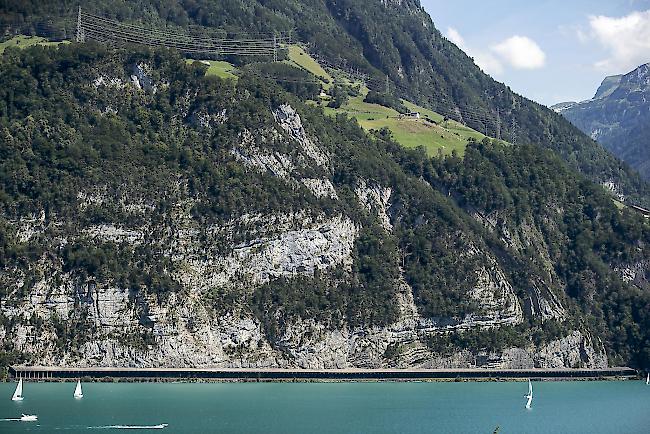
[609,85]
[618,116]
[394,38]
[156,216]
[561,106]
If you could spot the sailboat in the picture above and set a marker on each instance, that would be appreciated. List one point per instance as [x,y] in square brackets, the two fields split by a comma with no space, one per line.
[647,379]
[77,391]
[28,418]
[530,395]
[18,394]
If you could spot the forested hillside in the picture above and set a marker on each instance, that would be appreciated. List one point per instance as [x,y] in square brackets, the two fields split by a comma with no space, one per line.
[156,216]
[383,38]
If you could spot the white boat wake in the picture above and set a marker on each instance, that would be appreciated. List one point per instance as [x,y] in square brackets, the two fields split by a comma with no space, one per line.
[23,418]
[159,426]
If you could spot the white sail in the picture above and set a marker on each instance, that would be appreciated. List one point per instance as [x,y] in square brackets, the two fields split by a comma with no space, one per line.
[18,393]
[647,379]
[77,391]
[529,397]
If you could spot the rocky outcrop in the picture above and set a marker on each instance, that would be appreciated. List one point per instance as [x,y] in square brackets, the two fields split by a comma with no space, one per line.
[290,122]
[375,200]
[131,328]
[320,187]
[282,164]
[115,234]
[141,77]
[325,245]
[542,300]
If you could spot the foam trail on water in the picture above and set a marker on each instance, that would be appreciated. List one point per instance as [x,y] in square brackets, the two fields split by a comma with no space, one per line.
[159,426]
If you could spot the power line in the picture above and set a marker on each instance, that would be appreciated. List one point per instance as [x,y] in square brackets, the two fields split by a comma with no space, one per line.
[111,32]
[168,32]
[488,121]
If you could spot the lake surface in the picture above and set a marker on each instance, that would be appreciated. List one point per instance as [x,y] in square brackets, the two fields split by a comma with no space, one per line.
[558,407]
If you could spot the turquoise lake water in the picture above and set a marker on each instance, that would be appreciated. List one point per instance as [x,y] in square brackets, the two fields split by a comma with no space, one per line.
[558,407]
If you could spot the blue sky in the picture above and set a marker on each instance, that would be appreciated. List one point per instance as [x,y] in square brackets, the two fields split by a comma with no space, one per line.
[548,50]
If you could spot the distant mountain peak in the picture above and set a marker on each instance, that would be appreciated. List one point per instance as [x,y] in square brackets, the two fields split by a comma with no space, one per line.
[618,116]
[640,76]
[561,106]
[609,85]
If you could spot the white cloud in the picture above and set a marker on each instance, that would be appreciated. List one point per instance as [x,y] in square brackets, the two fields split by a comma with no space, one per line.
[627,39]
[521,52]
[486,61]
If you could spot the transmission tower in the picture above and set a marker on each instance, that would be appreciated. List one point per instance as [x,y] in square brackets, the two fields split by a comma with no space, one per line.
[79,37]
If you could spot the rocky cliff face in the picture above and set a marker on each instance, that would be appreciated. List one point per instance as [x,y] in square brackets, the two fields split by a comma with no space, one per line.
[262,235]
[184,331]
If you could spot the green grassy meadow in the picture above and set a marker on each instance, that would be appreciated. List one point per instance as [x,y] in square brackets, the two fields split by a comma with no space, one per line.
[24,41]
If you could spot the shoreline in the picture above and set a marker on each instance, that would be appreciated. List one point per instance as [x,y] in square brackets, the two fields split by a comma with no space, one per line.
[144,380]
[239,375]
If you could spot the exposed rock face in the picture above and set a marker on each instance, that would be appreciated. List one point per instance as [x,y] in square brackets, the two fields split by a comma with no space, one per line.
[303,251]
[495,295]
[140,77]
[284,165]
[290,122]
[543,300]
[636,273]
[186,332]
[121,322]
[375,199]
[109,82]
[615,189]
[574,350]
[278,164]
[208,120]
[320,187]
[115,234]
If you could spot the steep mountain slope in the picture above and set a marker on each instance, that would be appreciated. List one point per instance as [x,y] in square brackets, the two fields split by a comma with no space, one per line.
[155,216]
[619,117]
[383,38]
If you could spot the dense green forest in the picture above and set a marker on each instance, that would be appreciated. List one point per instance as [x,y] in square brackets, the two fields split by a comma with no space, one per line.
[381,38]
[66,134]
